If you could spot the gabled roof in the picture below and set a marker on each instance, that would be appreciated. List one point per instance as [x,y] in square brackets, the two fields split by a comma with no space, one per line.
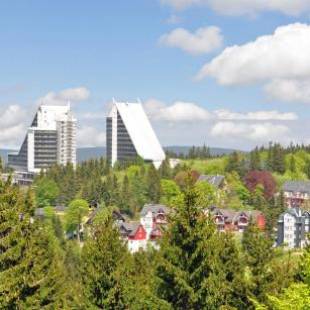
[130,228]
[297,186]
[215,180]
[232,215]
[154,208]
[140,131]
[295,212]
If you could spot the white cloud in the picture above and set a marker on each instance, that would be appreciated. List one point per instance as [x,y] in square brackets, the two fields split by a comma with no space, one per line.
[242,7]
[12,126]
[71,94]
[282,55]
[224,114]
[88,136]
[11,116]
[257,132]
[203,40]
[289,90]
[181,111]
[177,112]
[75,94]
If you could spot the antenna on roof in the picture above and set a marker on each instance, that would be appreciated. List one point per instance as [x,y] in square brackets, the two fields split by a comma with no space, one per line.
[113,100]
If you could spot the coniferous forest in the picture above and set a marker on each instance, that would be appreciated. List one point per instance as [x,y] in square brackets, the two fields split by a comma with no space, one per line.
[53,257]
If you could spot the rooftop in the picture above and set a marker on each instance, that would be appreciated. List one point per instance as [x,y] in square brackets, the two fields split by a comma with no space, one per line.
[297,186]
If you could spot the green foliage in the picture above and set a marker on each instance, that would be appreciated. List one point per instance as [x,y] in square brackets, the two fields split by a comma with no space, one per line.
[258,253]
[235,163]
[255,160]
[46,192]
[75,212]
[296,297]
[170,192]
[31,262]
[111,278]
[192,272]
[153,184]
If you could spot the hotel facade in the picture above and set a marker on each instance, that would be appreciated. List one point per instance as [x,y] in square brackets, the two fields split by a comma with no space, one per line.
[50,139]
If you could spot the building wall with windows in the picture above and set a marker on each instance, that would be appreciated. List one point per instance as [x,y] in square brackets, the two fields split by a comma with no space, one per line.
[130,135]
[293,228]
[51,139]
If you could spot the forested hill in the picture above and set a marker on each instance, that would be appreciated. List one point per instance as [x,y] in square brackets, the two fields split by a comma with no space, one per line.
[86,153]
[96,152]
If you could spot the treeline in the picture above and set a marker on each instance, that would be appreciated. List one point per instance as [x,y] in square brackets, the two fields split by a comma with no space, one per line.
[195,152]
[97,183]
[293,160]
[196,267]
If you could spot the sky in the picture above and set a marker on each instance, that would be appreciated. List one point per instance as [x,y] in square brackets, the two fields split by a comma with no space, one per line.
[225,73]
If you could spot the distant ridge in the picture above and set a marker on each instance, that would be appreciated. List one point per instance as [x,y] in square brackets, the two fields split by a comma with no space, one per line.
[96,152]
[87,153]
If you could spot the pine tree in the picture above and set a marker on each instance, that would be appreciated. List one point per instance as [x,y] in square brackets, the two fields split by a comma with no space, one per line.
[165,170]
[31,269]
[307,168]
[258,253]
[125,196]
[255,161]
[190,272]
[292,164]
[153,184]
[15,231]
[104,261]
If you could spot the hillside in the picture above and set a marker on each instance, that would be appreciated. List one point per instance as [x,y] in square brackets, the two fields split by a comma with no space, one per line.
[86,153]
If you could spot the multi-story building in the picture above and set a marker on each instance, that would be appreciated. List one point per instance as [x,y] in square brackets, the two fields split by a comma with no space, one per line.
[293,228]
[51,139]
[130,135]
[296,193]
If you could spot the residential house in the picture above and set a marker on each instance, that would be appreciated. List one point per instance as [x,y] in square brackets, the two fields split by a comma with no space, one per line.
[153,217]
[231,220]
[138,234]
[296,193]
[218,181]
[135,235]
[293,227]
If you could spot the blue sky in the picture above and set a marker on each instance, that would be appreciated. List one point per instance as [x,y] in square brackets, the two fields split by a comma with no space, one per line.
[113,49]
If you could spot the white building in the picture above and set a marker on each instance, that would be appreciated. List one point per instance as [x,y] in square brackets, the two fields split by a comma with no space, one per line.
[50,139]
[130,135]
[293,228]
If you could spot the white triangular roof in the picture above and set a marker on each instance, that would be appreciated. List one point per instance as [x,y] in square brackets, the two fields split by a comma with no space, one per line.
[140,131]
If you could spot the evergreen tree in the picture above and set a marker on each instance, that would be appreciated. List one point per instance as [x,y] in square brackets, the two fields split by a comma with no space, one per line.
[138,193]
[104,261]
[258,253]
[153,184]
[307,168]
[255,161]
[190,272]
[165,170]
[125,196]
[292,164]
[15,231]
[31,269]
[236,163]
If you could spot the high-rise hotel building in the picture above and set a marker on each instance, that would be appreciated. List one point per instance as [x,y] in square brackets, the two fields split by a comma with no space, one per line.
[51,139]
[130,135]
